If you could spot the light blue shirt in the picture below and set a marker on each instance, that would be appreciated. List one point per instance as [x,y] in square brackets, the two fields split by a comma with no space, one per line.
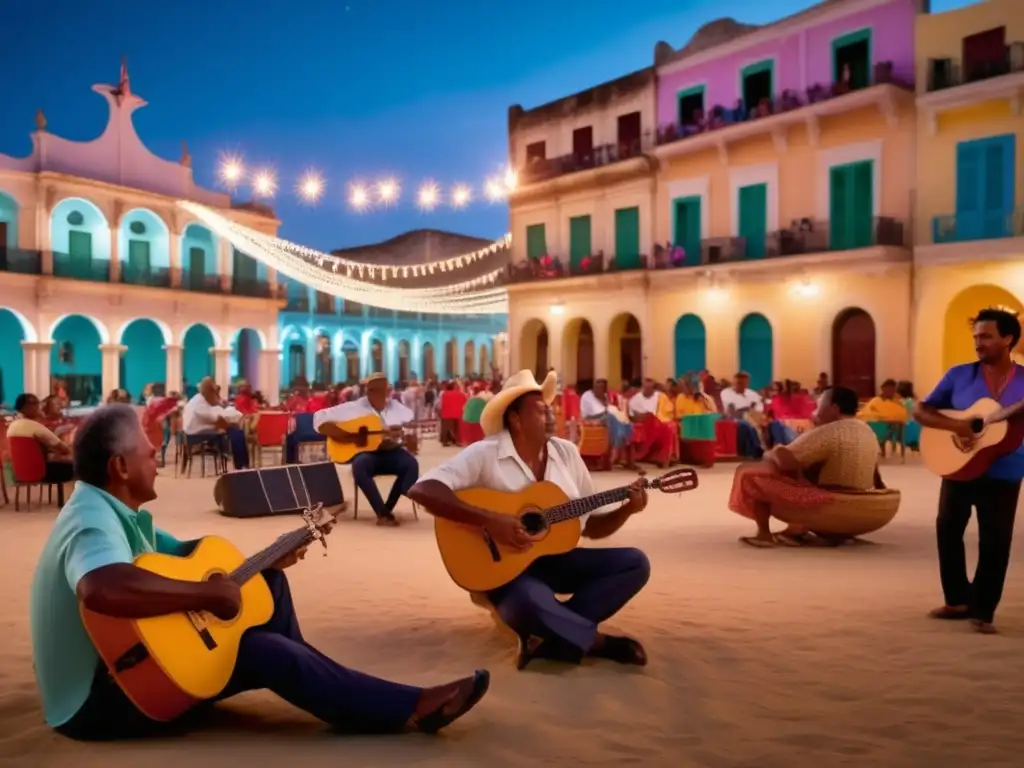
[92,531]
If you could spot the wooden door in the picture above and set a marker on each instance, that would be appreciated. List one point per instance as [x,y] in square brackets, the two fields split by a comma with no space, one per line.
[585,354]
[853,352]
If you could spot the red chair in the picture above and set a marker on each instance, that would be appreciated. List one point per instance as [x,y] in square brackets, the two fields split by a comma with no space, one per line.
[726,439]
[270,434]
[28,462]
[5,452]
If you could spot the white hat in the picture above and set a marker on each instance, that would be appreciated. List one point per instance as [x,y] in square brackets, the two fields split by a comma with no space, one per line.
[522,383]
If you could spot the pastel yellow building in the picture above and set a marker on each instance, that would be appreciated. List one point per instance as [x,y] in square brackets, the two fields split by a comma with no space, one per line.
[969,232]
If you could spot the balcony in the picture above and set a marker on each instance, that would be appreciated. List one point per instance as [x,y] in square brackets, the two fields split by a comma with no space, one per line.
[159,277]
[951,73]
[720,126]
[81,268]
[19,261]
[253,287]
[977,225]
[545,169]
[297,303]
[200,282]
[804,237]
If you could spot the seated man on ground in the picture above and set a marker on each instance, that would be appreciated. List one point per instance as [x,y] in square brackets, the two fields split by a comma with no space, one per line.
[88,559]
[839,454]
[206,420]
[28,423]
[391,458]
[517,453]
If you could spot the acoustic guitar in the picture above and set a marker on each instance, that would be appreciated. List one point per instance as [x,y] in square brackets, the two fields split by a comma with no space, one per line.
[998,432]
[168,664]
[368,432]
[477,563]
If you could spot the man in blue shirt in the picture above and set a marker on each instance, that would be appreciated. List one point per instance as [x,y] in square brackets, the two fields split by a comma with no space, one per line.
[994,494]
[88,559]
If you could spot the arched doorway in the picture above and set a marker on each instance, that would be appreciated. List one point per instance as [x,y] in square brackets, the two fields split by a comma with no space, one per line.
[957,339]
[376,356]
[196,357]
[12,357]
[451,359]
[625,350]
[80,239]
[578,353]
[533,348]
[469,357]
[691,345]
[403,360]
[485,361]
[853,351]
[76,359]
[144,247]
[323,359]
[350,356]
[199,258]
[756,349]
[145,360]
[245,362]
[429,369]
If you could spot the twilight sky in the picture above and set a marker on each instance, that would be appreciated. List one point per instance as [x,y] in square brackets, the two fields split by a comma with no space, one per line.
[358,89]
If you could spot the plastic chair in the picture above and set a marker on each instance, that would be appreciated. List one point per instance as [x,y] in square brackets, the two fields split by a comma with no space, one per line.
[270,434]
[28,462]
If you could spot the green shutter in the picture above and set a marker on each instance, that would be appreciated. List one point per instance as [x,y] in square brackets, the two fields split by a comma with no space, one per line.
[627,238]
[753,204]
[196,267]
[536,241]
[839,189]
[244,266]
[686,228]
[862,213]
[756,349]
[79,254]
[138,258]
[691,345]
[997,194]
[579,239]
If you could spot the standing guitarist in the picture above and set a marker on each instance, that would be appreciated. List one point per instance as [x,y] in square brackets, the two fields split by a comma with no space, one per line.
[391,458]
[515,454]
[994,494]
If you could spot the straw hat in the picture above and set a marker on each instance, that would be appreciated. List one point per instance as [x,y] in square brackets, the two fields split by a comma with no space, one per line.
[515,386]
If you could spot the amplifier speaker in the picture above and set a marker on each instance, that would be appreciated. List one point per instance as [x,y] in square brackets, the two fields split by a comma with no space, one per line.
[286,490]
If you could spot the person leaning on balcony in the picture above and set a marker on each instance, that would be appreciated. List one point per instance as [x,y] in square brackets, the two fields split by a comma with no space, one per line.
[28,423]
[205,420]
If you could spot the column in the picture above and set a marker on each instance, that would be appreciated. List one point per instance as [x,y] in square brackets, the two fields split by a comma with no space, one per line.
[115,256]
[310,350]
[37,367]
[222,368]
[270,375]
[416,357]
[175,259]
[601,361]
[174,369]
[224,265]
[111,355]
[391,358]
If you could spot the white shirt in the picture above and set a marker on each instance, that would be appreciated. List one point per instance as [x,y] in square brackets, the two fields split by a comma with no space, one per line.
[494,463]
[747,399]
[640,404]
[394,414]
[590,406]
[200,416]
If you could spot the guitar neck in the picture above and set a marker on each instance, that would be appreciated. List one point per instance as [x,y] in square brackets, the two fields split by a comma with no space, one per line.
[266,558]
[571,510]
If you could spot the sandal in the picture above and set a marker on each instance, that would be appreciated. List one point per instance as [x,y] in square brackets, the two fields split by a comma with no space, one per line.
[438,719]
[984,627]
[624,650]
[756,543]
[949,613]
[388,521]
[791,540]
[550,649]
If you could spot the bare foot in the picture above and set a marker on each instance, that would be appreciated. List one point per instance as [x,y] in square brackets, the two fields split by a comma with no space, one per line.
[984,627]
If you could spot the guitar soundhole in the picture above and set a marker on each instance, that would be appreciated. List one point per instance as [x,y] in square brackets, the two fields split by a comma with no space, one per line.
[534,523]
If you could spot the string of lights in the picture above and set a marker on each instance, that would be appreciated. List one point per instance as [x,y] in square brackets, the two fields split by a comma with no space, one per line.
[360,196]
[308,267]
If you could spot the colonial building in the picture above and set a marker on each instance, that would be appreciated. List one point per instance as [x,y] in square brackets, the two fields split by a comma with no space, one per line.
[970,188]
[107,283]
[794,172]
[327,339]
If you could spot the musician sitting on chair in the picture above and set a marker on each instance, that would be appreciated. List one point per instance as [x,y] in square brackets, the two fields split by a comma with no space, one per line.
[88,558]
[516,453]
[206,420]
[390,459]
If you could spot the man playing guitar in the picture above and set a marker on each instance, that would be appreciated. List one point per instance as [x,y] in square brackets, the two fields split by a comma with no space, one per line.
[994,494]
[516,453]
[391,458]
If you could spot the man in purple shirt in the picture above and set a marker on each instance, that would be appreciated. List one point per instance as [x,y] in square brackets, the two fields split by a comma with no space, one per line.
[994,494]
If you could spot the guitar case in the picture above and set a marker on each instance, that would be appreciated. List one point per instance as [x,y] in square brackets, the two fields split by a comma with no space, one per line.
[285,490]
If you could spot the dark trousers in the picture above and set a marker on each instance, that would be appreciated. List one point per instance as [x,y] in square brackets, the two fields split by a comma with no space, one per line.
[232,440]
[294,440]
[58,473]
[996,504]
[601,582]
[276,657]
[396,462]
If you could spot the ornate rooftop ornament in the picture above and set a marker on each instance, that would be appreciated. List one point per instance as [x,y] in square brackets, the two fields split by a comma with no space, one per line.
[40,120]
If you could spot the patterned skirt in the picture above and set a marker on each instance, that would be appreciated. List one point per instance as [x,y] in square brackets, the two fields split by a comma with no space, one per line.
[759,482]
[620,433]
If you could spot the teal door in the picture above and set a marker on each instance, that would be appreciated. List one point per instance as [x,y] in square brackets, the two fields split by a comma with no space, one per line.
[985,180]
[756,349]
[691,345]
[753,205]
[579,240]
[536,241]
[196,268]
[686,227]
[627,238]
[244,267]
[79,254]
[851,211]
[138,261]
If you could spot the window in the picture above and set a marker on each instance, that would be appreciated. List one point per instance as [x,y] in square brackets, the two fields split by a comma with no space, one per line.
[196,268]
[984,55]
[76,219]
[753,218]
[627,238]
[851,189]
[691,105]
[352,307]
[297,361]
[138,260]
[583,143]
[137,228]
[629,135]
[851,61]
[536,241]
[985,182]
[757,85]
[324,303]
[535,152]
[686,227]
[579,239]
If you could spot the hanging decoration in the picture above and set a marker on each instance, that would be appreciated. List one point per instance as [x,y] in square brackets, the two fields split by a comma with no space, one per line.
[339,277]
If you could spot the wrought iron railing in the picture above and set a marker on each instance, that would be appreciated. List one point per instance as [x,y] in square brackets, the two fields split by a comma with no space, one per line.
[543,169]
[200,282]
[78,267]
[977,225]
[20,261]
[154,277]
[256,288]
[950,73]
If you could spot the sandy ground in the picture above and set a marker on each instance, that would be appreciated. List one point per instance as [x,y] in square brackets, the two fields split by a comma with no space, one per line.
[758,657]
